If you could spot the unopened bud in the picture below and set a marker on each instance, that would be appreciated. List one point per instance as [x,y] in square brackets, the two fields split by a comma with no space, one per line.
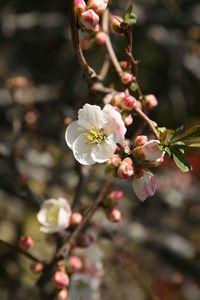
[125,170]
[115,24]
[37,267]
[129,102]
[114,215]
[156,163]
[141,140]
[89,20]
[127,118]
[114,160]
[85,240]
[61,279]
[26,242]
[99,6]
[86,42]
[114,198]
[123,64]
[144,184]
[150,151]
[117,99]
[75,264]
[151,101]
[127,78]
[62,294]
[67,121]
[80,7]
[76,219]
[101,37]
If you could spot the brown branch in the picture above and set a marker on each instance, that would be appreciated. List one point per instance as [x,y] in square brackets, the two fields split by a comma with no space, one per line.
[64,250]
[17,249]
[104,69]
[89,73]
[149,122]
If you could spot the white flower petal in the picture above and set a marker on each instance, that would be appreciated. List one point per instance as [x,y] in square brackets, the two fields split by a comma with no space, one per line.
[63,218]
[72,132]
[101,152]
[82,151]
[144,186]
[91,116]
[42,214]
[49,230]
[115,124]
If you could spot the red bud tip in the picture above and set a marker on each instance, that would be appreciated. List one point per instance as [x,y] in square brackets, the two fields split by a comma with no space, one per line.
[37,267]
[61,279]
[76,219]
[75,264]
[26,242]
[62,294]
[114,216]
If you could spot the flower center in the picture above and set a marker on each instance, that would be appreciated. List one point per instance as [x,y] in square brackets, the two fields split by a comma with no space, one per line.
[52,216]
[95,135]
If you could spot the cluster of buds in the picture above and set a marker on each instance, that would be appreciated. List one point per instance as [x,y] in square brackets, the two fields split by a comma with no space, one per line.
[88,15]
[61,281]
[110,203]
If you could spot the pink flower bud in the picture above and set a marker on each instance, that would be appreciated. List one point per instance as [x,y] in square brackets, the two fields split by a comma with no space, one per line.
[37,267]
[80,7]
[61,279]
[85,240]
[139,104]
[123,64]
[141,140]
[128,119]
[117,99]
[144,185]
[76,219]
[75,264]
[114,160]
[114,198]
[115,24]
[149,151]
[114,215]
[101,38]
[129,102]
[89,20]
[127,78]
[125,170]
[156,163]
[151,101]
[62,294]
[99,6]
[26,242]
[128,161]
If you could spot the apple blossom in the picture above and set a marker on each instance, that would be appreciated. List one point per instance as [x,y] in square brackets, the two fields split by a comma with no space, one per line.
[150,151]
[89,20]
[94,136]
[99,6]
[54,215]
[144,184]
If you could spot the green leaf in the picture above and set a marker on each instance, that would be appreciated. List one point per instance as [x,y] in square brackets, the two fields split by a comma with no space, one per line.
[177,132]
[129,21]
[182,163]
[128,12]
[133,86]
[165,134]
[190,134]
[168,151]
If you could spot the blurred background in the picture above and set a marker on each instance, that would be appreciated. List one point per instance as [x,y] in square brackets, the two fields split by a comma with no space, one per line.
[154,254]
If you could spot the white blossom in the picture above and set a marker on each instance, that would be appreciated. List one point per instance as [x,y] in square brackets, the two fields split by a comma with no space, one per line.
[94,136]
[54,215]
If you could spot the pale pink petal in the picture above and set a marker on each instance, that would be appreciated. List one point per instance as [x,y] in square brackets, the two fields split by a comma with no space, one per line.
[115,124]
[144,186]
[102,152]
[82,151]
[152,151]
[72,132]
[91,116]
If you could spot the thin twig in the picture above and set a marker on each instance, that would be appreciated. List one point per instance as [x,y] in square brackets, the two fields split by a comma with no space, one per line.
[17,249]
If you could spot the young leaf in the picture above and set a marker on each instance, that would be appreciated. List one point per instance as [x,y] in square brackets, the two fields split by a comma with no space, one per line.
[177,133]
[168,151]
[190,134]
[182,163]
[128,12]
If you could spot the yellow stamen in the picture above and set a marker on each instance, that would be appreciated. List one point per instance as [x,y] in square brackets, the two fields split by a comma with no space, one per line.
[52,216]
[95,135]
